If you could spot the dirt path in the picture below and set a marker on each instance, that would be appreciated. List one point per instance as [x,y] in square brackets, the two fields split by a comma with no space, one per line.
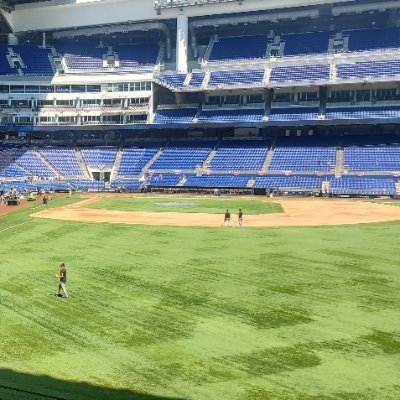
[297,212]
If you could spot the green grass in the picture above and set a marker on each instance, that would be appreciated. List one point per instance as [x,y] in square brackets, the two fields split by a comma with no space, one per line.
[187,204]
[199,313]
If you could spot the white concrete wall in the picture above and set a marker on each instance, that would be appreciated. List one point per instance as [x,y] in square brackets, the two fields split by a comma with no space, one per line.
[182,30]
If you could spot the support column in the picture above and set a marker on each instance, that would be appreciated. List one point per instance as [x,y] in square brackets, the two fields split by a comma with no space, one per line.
[182,29]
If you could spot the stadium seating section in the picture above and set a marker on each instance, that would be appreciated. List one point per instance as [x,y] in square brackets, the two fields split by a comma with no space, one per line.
[363,185]
[164,179]
[302,73]
[371,165]
[294,113]
[240,47]
[369,69]
[236,78]
[36,59]
[362,112]
[133,160]
[98,157]
[240,155]
[181,158]
[139,55]
[305,43]
[288,182]
[372,39]
[217,181]
[303,155]
[231,115]
[175,115]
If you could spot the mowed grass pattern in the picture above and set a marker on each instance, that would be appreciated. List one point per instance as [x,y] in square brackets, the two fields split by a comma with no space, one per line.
[188,205]
[199,313]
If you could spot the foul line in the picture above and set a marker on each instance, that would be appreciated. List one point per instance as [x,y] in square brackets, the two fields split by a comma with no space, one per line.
[34,393]
[16,226]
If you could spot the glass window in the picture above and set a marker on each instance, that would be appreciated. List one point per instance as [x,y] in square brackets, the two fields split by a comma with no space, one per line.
[46,89]
[63,89]
[4,89]
[32,89]
[44,103]
[66,103]
[20,103]
[282,97]
[78,88]
[255,98]
[17,89]
[232,100]
[93,88]
[87,102]
[213,100]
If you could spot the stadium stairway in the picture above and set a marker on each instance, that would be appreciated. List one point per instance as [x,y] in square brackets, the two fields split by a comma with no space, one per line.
[116,165]
[152,160]
[269,156]
[397,184]
[83,165]
[52,169]
[209,158]
[182,181]
[250,183]
[339,163]
[268,159]
[187,79]
[326,187]
[23,169]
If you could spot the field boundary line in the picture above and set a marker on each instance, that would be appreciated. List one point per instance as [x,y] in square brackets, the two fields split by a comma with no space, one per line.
[17,225]
[45,396]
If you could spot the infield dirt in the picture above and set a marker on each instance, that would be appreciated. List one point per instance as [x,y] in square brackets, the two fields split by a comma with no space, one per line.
[297,212]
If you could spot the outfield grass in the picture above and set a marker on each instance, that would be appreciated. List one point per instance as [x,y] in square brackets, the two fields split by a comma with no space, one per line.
[191,204]
[199,313]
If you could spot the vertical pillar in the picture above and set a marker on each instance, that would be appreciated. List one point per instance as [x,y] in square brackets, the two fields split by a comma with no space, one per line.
[182,29]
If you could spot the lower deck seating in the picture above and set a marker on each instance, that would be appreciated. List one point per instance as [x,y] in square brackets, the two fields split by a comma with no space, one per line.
[240,155]
[288,182]
[363,185]
[126,184]
[218,181]
[133,160]
[372,158]
[181,157]
[303,154]
[86,184]
[164,180]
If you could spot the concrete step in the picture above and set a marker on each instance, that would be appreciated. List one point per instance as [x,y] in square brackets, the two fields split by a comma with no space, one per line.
[82,164]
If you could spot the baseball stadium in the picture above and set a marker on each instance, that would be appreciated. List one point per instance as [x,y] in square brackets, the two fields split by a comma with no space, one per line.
[199,200]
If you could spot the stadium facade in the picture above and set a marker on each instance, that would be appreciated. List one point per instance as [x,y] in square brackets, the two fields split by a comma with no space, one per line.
[245,94]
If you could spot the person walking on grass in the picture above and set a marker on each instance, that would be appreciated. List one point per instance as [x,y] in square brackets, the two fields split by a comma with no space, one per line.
[227,218]
[63,281]
[240,218]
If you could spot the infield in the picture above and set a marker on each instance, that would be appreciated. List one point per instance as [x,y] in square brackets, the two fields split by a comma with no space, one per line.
[258,212]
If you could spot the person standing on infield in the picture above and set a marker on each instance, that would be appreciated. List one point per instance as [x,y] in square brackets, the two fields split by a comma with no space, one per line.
[227,218]
[240,217]
[63,280]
